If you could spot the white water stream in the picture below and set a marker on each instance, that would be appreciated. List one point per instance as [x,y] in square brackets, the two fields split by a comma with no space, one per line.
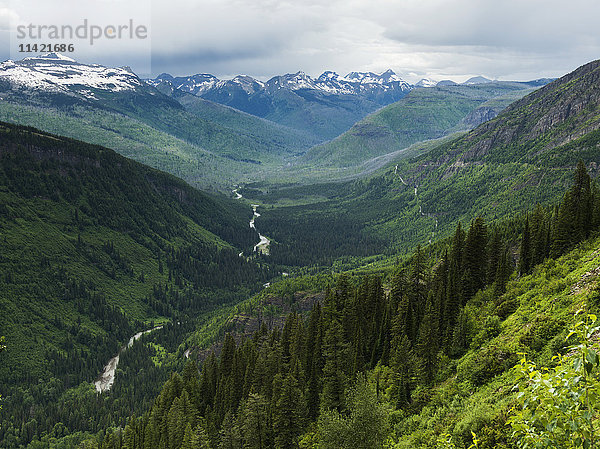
[263,245]
[423,214]
[107,378]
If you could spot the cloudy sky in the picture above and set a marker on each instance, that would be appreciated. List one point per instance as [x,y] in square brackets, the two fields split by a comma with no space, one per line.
[504,39]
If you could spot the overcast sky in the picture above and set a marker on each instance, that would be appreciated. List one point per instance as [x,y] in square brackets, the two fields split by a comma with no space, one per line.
[504,39]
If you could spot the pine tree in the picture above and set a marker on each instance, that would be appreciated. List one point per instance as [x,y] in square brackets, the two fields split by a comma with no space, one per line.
[314,361]
[461,335]
[230,436]
[474,259]
[334,354]
[255,422]
[582,197]
[401,361]
[289,414]
[200,438]
[417,285]
[187,438]
[427,343]
[540,235]
[525,254]
[564,229]
[453,298]
[503,273]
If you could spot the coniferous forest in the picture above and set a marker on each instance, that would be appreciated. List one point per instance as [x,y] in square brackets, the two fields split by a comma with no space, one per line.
[339,375]
[372,291]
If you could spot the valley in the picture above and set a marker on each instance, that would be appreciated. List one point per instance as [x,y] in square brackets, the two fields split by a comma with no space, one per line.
[188,262]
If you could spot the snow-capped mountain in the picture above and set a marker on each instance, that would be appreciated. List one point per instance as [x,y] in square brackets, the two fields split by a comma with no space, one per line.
[57,73]
[294,99]
[355,83]
[56,81]
[195,84]
[426,82]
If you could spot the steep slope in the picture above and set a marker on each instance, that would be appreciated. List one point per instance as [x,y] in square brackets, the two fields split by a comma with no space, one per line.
[438,354]
[285,140]
[114,107]
[423,114]
[93,248]
[532,318]
[523,156]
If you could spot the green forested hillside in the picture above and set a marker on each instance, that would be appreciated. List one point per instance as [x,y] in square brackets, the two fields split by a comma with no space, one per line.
[423,114]
[93,248]
[429,352]
[418,342]
[522,157]
[211,146]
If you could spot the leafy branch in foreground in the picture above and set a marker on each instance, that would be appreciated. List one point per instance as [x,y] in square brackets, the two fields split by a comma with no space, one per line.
[445,441]
[557,407]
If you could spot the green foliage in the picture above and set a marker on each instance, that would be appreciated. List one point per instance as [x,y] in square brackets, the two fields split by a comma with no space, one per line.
[421,115]
[558,406]
[365,426]
[495,171]
[94,248]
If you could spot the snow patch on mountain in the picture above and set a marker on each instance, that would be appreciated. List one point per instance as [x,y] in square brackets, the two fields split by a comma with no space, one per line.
[59,73]
[426,82]
[355,83]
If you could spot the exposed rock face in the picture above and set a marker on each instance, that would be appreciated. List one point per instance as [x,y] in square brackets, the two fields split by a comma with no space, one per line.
[479,116]
[244,325]
[559,112]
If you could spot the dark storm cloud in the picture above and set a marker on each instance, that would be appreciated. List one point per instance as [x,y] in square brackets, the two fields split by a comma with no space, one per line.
[509,39]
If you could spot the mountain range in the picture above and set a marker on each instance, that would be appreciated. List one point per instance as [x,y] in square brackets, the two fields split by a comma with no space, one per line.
[324,106]
[216,134]
[523,156]
[420,275]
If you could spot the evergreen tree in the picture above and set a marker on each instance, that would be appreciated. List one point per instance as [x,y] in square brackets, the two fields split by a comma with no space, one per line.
[582,197]
[462,333]
[200,438]
[289,414]
[564,229]
[417,286]
[525,254]
[334,354]
[230,436]
[453,298]
[427,343]
[540,230]
[474,259]
[503,272]
[255,422]
[494,255]
[401,358]
[314,361]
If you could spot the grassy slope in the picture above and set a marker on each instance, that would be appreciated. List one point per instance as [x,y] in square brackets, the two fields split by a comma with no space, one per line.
[212,146]
[423,114]
[288,140]
[477,390]
[473,392]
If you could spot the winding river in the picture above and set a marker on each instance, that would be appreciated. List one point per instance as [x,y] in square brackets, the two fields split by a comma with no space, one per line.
[107,378]
[263,245]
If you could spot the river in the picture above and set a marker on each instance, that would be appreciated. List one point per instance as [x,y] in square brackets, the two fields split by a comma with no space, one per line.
[263,245]
[107,378]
